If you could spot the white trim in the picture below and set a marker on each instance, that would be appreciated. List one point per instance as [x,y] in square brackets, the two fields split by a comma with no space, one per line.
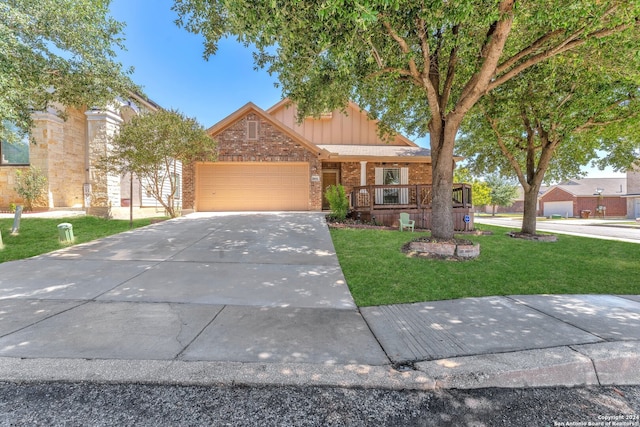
[404,180]
[363,173]
[379,196]
[106,115]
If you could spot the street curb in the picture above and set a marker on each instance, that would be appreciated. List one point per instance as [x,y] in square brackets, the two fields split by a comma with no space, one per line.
[560,366]
[616,363]
[610,363]
[211,373]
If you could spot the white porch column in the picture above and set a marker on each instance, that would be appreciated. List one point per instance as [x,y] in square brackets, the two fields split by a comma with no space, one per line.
[363,173]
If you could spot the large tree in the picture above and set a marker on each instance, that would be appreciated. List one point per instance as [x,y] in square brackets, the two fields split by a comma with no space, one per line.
[149,146]
[56,52]
[418,66]
[556,117]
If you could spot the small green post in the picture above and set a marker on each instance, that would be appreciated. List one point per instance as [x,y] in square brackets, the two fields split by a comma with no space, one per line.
[65,232]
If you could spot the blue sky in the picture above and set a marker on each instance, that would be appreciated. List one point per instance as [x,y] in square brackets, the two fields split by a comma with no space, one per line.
[169,66]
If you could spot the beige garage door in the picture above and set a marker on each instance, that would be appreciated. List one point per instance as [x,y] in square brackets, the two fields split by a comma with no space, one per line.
[252,186]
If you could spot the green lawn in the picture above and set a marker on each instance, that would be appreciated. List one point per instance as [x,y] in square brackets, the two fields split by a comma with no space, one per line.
[378,273]
[40,235]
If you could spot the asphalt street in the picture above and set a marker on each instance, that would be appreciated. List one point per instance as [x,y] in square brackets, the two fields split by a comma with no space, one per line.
[594,228]
[86,404]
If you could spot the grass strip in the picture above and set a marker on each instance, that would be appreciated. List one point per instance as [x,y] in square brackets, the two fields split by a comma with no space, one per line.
[379,273]
[40,235]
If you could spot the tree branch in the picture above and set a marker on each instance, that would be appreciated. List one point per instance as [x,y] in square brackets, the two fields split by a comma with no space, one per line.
[565,45]
[451,70]
[404,47]
[591,122]
[376,54]
[503,147]
[430,83]
[527,51]
[492,49]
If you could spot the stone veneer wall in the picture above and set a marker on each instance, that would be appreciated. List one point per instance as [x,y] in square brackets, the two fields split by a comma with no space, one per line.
[272,145]
[7,181]
[58,150]
[105,188]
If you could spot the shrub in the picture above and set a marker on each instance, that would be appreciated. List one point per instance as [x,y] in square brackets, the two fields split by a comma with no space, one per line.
[338,201]
[31,185]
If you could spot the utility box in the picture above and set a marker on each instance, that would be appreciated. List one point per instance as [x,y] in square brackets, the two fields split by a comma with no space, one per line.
[65,232]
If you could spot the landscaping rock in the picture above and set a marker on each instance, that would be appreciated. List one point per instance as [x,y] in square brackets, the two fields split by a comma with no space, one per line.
[456,249]
[537,237]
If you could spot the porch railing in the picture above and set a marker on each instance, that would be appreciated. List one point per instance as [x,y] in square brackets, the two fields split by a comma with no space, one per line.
[418,196]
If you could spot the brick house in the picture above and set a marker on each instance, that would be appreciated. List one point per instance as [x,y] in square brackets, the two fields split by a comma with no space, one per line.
[267,161]
[66,151]
[602,197]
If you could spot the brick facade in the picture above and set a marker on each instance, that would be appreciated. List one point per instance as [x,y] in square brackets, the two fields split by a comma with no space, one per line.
[615,206]
[272,145]
[419,173]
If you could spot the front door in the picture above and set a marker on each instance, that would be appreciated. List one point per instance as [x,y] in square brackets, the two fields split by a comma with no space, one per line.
[329,177]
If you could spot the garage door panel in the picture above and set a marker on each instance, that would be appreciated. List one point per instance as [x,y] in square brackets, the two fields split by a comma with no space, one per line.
[252,186]
[564,208]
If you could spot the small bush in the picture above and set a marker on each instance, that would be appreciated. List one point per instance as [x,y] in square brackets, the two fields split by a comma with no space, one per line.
[31,185]
[338,201]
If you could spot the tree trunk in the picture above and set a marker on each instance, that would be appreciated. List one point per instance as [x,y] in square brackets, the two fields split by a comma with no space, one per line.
[442,143]
[493,210]
[530,209]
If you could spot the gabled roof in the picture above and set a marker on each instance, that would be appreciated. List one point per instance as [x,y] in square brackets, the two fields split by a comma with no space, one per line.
[594,186]
[251,107]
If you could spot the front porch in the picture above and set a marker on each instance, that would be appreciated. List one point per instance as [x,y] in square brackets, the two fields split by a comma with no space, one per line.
[383,204]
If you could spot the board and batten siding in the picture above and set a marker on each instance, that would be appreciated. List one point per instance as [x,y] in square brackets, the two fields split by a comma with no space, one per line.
[353,128]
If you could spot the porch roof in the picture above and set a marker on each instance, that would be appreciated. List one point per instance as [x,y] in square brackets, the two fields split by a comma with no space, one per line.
[377,153]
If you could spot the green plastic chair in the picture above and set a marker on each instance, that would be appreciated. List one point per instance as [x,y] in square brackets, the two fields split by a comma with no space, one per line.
[405,222]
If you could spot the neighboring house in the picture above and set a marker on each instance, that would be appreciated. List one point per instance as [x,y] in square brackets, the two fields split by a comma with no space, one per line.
[600,197]
[633,192]
[67,151]
[518,203]
[267,161]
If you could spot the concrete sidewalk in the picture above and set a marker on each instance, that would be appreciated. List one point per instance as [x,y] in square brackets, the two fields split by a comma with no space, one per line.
[261,299]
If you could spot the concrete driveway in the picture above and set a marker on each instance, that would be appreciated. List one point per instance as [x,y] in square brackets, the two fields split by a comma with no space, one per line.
[234,287]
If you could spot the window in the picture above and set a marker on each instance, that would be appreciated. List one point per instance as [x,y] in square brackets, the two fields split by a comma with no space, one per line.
[14,152]
[391,177]
[252,130]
